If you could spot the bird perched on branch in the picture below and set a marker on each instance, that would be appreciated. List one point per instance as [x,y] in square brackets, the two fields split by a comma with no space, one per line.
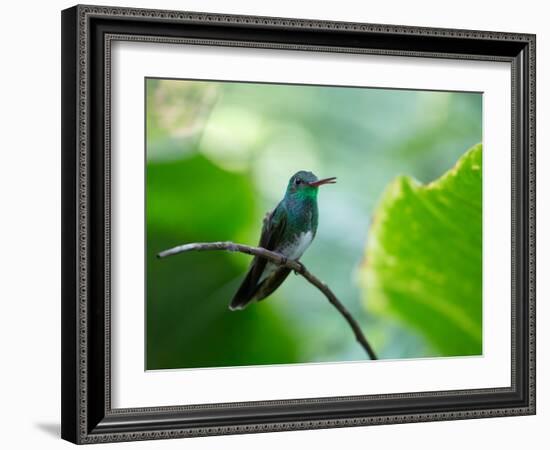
[289,230]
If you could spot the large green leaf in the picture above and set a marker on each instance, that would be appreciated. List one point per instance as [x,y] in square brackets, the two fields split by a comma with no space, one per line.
[423,262]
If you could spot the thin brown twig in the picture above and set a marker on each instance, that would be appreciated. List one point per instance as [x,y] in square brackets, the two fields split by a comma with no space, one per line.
[279,259]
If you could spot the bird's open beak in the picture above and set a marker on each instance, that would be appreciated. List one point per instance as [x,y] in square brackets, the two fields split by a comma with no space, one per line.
[317,183]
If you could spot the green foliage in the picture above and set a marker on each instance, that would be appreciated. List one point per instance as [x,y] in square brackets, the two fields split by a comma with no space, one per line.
[423,263]
[188,321]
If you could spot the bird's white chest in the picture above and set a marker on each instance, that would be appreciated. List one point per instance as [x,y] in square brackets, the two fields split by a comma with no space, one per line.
[295,249]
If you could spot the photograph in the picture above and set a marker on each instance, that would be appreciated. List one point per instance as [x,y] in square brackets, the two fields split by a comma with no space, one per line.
[273,223]
[368,201]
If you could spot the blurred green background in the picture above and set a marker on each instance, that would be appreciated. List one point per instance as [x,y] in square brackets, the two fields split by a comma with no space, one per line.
[219,155]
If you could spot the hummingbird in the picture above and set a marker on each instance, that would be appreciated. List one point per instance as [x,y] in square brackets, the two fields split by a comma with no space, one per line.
[289,230]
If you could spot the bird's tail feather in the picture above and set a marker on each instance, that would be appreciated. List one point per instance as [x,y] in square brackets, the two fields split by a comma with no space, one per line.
[245,293]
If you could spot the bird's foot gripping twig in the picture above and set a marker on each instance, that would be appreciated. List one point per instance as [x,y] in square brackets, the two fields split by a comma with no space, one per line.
[282,261]
[300,269]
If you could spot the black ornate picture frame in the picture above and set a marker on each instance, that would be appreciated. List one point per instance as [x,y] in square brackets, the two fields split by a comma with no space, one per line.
[87,35]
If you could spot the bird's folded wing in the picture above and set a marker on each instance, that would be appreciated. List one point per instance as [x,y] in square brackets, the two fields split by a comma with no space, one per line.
[272,233]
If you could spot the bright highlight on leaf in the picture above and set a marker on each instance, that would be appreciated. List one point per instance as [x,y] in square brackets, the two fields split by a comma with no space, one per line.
[423,263]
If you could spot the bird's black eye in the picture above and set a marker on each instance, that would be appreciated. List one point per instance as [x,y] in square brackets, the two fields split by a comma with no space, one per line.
[298,181]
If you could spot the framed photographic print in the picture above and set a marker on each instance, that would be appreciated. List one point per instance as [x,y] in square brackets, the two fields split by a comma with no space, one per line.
[279,224]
